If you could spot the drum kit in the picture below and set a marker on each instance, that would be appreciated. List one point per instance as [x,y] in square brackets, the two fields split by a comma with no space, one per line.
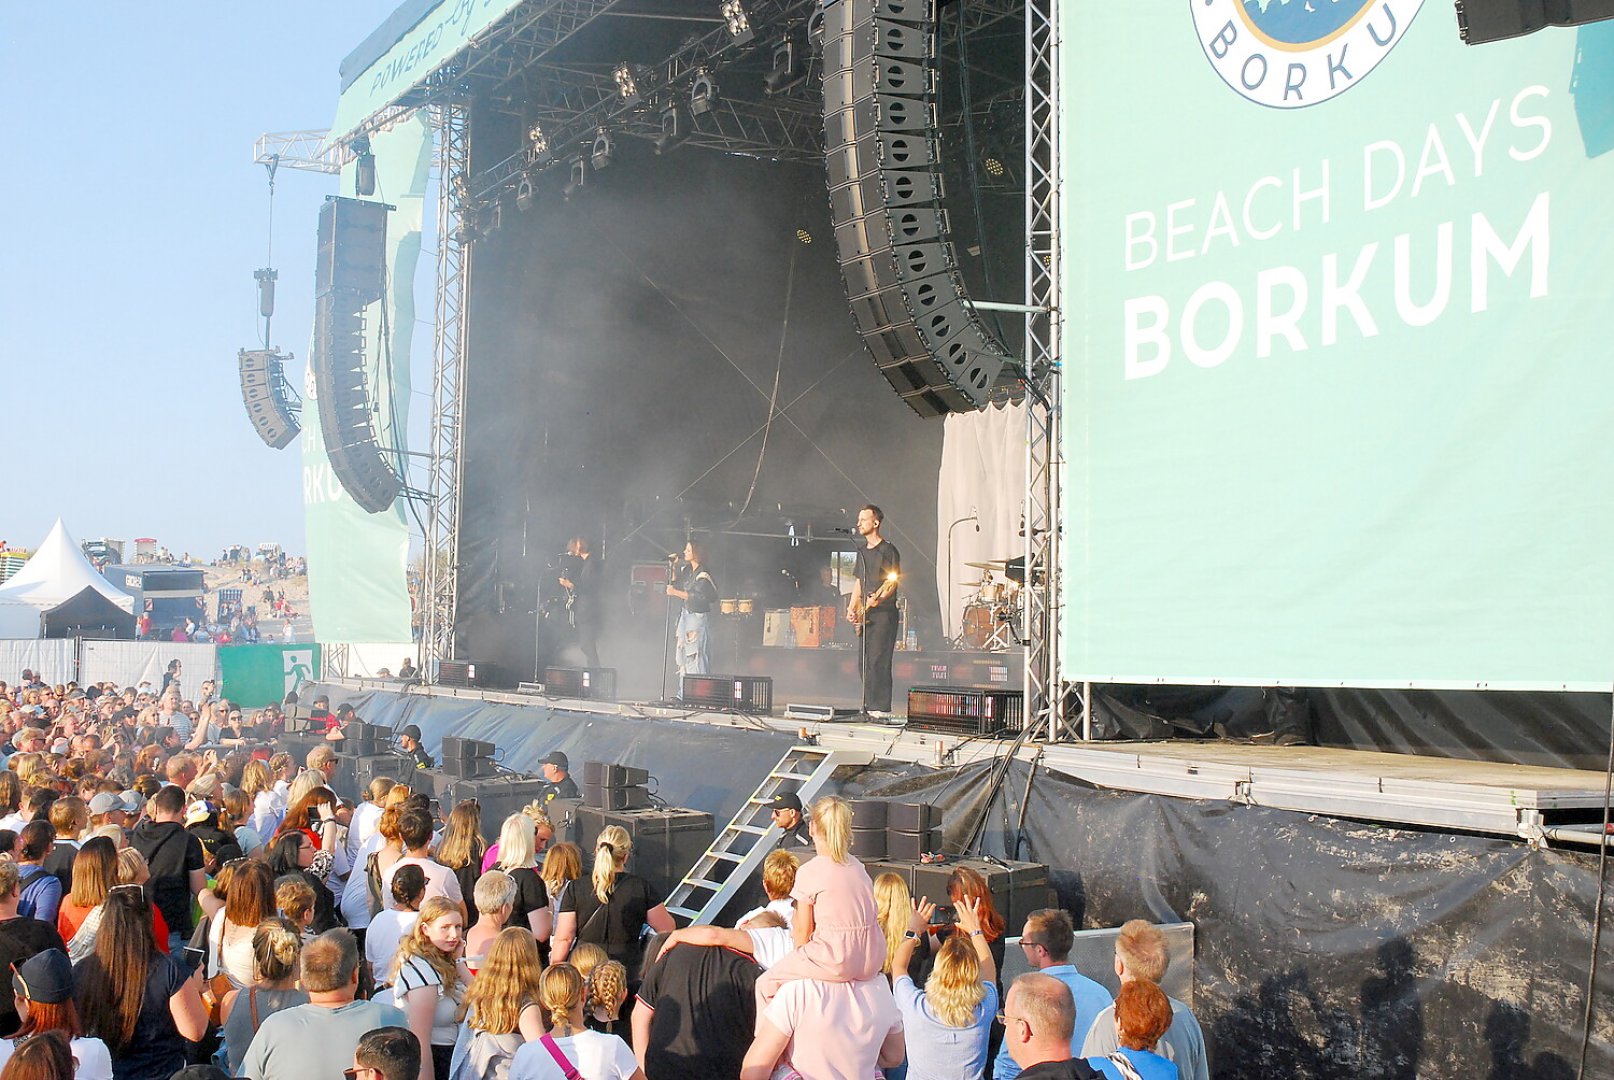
[994,610]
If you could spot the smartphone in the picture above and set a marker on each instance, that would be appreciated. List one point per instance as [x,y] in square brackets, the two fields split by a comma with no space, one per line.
[193,957]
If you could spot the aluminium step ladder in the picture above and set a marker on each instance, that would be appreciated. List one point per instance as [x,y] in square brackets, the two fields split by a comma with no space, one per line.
[740,848]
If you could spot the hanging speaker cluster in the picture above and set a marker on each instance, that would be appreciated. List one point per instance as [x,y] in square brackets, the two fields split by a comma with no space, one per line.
[270,403]
[349,277]
[885,190]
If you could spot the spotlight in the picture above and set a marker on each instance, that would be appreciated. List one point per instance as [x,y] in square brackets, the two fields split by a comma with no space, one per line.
[675,125]
[994,167]
[579,179]
[738,22]
[524,194]
[804,236]
[537,144]
[364,175]
[703,92]
[787,70]
[266,279]
[627,84]
[604,147]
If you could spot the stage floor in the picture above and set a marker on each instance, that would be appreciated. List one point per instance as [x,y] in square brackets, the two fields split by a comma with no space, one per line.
[1537,804]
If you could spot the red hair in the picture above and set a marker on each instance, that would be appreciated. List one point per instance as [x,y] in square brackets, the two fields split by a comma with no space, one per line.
[964,882]
[56,1016]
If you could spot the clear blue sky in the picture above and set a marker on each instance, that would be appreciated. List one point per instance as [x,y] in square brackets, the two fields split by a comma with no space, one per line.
[134,220]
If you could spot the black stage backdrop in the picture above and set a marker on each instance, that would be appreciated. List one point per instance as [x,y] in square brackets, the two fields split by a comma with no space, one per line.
[1325,949]
[625,345]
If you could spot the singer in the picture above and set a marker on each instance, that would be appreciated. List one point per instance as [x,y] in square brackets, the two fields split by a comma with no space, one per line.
[873,608]
[698,591]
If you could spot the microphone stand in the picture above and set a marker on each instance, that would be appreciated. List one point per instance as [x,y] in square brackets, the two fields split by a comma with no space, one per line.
[951,583]
[667,638]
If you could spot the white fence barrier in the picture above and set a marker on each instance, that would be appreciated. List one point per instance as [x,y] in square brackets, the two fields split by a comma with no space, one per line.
[129,663]
[53,659]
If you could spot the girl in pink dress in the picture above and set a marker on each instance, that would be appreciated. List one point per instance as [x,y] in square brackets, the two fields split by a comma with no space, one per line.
[837,929]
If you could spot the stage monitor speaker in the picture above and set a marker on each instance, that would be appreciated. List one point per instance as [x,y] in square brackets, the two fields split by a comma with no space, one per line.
[460,749]
[1480,21]
[666,843]
[601,797]
[910,817]
[342,395]
[868,844]
[1017,888]
[264,391]
[499,796]
[354,772]
[464,673]
[352,249]
[883,158]
[584,683]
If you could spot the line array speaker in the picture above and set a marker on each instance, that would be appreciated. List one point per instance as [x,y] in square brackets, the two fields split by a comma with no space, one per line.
[883,160]
[352,248]
[263,391]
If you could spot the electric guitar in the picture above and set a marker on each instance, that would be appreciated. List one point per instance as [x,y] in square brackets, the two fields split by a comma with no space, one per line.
[861,609]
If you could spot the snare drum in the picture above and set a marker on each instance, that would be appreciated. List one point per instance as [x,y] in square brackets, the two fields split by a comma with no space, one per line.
[977,626]
[990,592]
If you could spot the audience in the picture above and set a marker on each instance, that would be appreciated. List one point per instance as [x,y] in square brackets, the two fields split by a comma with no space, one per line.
[1046,941]
[276,948]
[570,1048]
[21,937]
[1141,953]
[42,991]
[1039,1021]
[388,1053]
[612,906]
[946,1025]
[429,976]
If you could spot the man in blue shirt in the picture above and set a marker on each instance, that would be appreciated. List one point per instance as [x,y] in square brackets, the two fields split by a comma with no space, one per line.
[1046,938]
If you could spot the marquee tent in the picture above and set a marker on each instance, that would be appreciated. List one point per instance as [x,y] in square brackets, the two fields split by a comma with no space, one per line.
[60,583]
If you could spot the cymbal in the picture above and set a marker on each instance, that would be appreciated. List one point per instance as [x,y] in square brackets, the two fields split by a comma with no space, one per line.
[975,584]
[995,564]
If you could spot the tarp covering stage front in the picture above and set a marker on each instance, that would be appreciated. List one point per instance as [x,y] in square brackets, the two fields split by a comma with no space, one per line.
[1325,949]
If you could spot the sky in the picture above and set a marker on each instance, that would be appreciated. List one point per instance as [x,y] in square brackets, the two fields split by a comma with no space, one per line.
[135,219]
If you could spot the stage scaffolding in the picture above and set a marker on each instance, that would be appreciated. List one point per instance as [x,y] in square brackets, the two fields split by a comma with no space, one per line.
[512,68]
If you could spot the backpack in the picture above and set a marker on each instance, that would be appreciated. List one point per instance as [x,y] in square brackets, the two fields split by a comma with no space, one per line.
[32,886]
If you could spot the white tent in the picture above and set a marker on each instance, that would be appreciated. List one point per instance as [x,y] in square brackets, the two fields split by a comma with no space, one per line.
[58,571]
[19,619]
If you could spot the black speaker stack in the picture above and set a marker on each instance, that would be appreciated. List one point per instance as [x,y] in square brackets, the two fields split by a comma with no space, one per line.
[268,397]
[467,758]
[666,842]
[360,738]
[894,830]
[354,772]
[885,191]
[349,276]
[615,787]
[465,674]
[498,796]
[1017,888]
[729,693]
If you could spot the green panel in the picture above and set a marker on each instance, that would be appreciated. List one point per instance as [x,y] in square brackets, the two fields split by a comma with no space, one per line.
[253,676]
[1337,384]
[436,38]
[357,562]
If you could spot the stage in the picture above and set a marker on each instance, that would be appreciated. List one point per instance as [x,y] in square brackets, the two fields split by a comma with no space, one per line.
[1540,805]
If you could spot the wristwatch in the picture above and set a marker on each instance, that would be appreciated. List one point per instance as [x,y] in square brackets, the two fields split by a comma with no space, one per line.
[910,934]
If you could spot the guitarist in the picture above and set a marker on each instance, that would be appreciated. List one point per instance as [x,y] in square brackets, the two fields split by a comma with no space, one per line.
[873,609]
[581,582]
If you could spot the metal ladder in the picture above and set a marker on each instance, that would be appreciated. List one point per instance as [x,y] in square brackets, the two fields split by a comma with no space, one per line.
[742,845]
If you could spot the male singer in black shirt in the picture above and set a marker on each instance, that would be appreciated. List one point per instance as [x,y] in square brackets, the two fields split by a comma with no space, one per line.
[875,588]
[580,579]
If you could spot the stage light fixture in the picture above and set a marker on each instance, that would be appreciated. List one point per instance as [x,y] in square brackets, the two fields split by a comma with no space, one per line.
[364,175]
[994,167]
[579,177]
[676,123]
[804,236]
[524,194]
[537,143]
[604,147]
[787,70]
[703,92]
[627,84]
[738,22]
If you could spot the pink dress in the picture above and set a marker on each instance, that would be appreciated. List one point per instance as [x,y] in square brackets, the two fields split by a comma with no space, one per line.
[847,944]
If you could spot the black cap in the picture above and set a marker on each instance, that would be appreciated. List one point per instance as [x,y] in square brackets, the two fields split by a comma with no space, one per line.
[200,1072]
[344,709]
[410,731]
[45,977]
[557,759]
[785,800]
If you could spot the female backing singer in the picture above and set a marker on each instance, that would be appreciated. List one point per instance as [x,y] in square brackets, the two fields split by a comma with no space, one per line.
[698,591]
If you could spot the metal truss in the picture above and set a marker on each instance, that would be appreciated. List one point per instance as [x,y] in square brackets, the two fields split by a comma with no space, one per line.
[1044,690]
[306,150]
[439,599]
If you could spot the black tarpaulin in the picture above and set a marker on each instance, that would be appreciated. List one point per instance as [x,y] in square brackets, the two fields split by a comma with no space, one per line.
[89,614]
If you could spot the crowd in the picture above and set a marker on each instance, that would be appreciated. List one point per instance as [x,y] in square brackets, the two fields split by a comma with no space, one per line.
[179,900]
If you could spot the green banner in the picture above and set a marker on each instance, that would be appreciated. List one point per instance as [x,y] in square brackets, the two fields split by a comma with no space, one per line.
[1337,390]
[253,676]
[357,562]
[436,38]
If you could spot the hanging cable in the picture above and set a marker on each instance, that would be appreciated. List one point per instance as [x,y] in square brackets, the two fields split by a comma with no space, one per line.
[1597,911]
[773,401]
[971,159]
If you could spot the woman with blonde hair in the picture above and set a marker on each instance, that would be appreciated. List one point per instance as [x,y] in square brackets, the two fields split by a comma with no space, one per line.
[95,871]
[563,864]
[837,926]
[893,903]
[461,849]
[501,1009]
[428,982]
[612,907]
[570,1048]
[361,896]
[946,1025]
[276,947]
[518,858]
[607,993]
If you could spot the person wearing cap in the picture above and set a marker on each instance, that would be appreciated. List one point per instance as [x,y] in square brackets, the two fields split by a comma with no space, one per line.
[43,990]
[786,810]
[20,935]
[107,809]
[560,784]
[409,743]
[219,846]
[344,715]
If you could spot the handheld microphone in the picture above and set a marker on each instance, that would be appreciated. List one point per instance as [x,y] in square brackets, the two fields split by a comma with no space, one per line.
[673,557]
[843,532]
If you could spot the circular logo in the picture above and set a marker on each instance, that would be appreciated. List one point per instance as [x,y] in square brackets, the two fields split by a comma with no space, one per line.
[1287,54]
